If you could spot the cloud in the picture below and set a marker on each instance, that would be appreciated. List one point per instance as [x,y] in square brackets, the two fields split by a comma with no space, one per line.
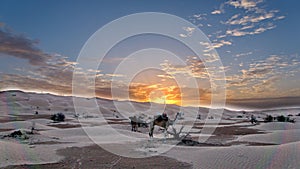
[194,67]
[147,93]
[216,12]
[261,77]
[200,16]
[183,35]
[173,94]
[246,17]
[253,18]
[240,31]
[246,4]
[165,76]
[46,72]
[214,45]
[243,54]
[13,81]
[188,32]
[279,18]
[21,47]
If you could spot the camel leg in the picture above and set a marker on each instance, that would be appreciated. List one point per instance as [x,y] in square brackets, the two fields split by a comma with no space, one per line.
[165,135]
[151,130]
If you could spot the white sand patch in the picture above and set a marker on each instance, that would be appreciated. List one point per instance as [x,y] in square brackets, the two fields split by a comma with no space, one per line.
[93,121]
[23,124]
[276,137]
[39,102]
[38,122]
[16,154]
[278,133]
[98,134]
[106,134]
[275,157]
[277,126]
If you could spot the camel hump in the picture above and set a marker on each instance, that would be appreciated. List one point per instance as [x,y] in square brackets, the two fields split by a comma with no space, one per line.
[160,118]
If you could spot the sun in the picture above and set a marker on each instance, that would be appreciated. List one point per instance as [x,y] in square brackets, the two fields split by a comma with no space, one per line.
[160,100]
[173,102]
[161,97]
[163,100]
[157,96]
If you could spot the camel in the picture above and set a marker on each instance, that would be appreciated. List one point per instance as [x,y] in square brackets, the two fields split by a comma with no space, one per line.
[162,121]
[253,119]
[137,122]
[134,123]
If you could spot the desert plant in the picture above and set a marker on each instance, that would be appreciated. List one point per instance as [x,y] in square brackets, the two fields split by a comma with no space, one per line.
[282,118]
[269,118]
[58,117]
[176,134]
[18,134]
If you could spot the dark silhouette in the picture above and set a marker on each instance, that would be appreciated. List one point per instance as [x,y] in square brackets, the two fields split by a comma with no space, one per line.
[137,122]
[269,118]
[253,119]
[58,117]
[162,121]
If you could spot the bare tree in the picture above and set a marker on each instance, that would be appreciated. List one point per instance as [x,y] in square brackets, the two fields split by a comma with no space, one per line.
[176,134]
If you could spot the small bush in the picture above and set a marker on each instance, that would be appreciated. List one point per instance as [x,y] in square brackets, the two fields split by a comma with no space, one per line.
[282,118]
[269,118]
[199,116]
[18,134]
[58,117]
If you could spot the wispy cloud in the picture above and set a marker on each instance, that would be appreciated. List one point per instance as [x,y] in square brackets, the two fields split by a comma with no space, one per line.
[252,18]
[45,72]
[246,4]
[29,83]
[261,77]
[243,54]
[215,45]
[216,12]
[193,67]
[188,32]
[246,17]
[199,16]
[21,47]
[279,18]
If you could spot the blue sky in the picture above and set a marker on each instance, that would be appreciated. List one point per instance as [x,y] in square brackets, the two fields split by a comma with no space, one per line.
[257,41]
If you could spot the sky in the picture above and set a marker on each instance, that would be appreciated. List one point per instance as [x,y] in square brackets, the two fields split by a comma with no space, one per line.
[257,42]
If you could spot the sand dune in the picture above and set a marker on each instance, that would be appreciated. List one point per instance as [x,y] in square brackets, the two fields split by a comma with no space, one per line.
[235,144]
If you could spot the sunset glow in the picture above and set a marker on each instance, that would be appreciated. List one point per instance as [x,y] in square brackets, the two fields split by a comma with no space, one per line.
[257,44]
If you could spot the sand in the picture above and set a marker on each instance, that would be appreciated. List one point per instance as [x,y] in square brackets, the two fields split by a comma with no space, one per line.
[235,142]
[95,157]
